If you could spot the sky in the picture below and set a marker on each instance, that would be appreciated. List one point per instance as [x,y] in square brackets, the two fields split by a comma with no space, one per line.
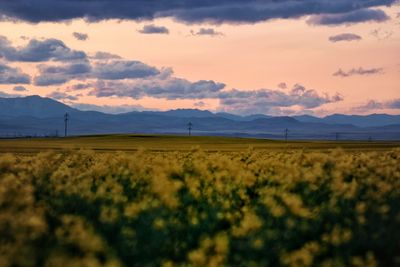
[286,57]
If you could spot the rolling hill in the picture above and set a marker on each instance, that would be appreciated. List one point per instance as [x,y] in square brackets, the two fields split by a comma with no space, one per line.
[35,115]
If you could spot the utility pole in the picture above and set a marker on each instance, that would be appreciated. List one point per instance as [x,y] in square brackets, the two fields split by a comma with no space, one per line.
[286,134]
[190,125]
[66,118]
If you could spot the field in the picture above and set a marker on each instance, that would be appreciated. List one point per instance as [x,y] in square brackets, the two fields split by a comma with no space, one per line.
[135,200]
[163,143]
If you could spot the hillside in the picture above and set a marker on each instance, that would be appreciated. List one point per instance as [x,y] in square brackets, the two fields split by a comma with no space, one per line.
[34,115]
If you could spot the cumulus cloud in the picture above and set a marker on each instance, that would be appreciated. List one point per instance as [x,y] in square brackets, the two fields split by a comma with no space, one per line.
[239,101]
[10,75]
[359,71]
[123,69]
[105,56]
[377,105]
[80,36]
[362,15]
[60,74]
[282,85]
[58,95]
[153,29]
[348,37]
[79,86]
[218,11]
[39,50]
[207,31]
[20,89]
[171,88]
[110,70]
[263,100]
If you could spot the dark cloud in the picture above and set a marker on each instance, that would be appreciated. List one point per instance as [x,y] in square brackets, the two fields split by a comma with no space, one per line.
[122,69]
[80,36]
[153,29]
[39,50]
[58,95]
[348,37]
[43,80]
[56,75]
[217,11]
[105,56]
[359,71]
[79,86]
[10,75]
[207,31]
[20,89]
[109,70]
[362,15]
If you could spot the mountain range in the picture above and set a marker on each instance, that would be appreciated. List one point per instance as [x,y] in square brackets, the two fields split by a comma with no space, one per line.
[35,115]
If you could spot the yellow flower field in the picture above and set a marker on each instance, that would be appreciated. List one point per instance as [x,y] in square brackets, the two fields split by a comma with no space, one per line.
[252,208]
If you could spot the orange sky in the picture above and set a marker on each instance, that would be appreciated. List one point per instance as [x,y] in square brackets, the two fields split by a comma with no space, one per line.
[246,57]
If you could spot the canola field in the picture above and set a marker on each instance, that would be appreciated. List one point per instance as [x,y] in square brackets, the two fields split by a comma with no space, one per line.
[196,208]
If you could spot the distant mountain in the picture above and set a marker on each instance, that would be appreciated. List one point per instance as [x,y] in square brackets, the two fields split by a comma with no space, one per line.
[43,116]
[34,106]
[241,118]
[185,113]
[373,120]
[363,121]
[307,118]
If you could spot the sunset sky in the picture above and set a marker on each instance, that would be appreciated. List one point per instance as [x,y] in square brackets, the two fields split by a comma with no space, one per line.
[283,57]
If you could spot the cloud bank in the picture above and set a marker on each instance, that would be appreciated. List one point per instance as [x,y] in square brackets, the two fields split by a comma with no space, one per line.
[106,75]
[362,15]
[217,11]
[10,75]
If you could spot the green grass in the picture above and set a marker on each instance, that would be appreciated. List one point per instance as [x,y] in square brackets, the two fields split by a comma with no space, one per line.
[178,143]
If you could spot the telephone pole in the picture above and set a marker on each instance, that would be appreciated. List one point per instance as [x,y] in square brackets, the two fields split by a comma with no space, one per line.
[66,118]
[190,125]
[286,134]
